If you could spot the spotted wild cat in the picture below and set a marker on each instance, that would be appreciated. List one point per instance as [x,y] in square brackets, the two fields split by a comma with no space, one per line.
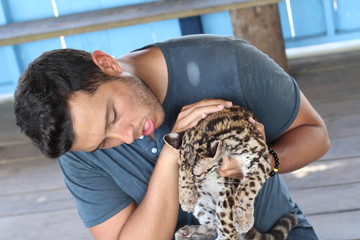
[223,206]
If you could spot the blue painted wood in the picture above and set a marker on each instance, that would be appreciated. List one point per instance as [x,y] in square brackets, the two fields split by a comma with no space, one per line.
[191,25]
[163,30]
[329,17]
[114,41]
[18,11]
[9,70]
[76,6]
[346,15]
[315,22]
[320,21]
[284,19]
[121,40]
[217,23]
[316,40]
[309,19]
[8,66]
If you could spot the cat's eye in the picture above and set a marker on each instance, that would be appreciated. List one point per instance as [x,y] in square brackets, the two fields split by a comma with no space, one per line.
[199,150]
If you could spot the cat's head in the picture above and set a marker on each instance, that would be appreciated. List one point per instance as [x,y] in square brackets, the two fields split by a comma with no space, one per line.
[199,155]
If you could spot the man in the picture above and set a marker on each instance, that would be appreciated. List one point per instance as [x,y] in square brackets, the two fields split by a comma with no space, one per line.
[105,118]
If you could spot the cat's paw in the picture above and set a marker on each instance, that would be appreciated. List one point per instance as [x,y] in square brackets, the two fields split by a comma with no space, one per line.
[243,220]
[194,232]
[187,208]
[188,204]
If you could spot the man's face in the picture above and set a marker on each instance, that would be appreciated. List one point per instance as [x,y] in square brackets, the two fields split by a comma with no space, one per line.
[119,112]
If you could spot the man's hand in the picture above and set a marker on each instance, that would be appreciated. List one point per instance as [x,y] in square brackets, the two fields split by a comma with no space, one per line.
[191,114]
[260,127]
[230,167]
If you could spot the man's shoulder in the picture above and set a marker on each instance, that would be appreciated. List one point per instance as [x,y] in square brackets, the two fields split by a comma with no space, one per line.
[197,39]
[76,159]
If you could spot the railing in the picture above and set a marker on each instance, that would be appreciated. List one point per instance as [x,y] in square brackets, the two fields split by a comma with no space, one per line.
[20,32]
[114,28]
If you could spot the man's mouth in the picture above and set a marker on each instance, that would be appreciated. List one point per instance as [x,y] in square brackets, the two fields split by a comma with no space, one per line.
[149,127]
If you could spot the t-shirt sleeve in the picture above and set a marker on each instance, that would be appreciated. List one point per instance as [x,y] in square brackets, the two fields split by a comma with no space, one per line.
[96,194]
[269,92]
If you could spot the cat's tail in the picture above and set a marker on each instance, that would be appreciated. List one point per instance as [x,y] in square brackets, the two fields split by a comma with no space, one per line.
[280,230]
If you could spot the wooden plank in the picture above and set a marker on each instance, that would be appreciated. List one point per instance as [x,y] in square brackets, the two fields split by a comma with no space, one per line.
[331,89]
[341,111]
[15,151]
[20,32]
[324,174]
[337,226]
[30,176]
[344,148]
[10,133]
[324,200]
[328,190]
[330,82]
[35,202]
[344,126]
[12,136]
[14,145]
[315,64]
[331,111]
[64,224]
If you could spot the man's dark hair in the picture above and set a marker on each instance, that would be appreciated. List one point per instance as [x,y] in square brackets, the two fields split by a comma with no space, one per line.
[41,98]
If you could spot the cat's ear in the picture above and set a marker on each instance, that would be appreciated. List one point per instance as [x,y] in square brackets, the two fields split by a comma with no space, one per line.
[213,152]
[174,139]
[214,148]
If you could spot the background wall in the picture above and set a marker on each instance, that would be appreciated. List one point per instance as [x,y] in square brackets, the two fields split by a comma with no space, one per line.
[304,23]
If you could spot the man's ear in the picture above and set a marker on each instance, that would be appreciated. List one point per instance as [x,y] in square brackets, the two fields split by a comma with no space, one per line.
[174,139]
[106,63]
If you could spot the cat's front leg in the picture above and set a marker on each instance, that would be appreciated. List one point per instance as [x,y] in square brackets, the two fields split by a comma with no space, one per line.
[243,209]
[224,216]
[187,193]
[243,215]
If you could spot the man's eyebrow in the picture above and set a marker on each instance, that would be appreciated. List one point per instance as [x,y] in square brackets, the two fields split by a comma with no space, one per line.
[106,123]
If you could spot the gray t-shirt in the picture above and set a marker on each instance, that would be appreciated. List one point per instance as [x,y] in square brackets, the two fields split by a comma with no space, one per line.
[199,66]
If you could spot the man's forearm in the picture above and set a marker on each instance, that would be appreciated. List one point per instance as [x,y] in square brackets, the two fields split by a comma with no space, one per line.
[156,216]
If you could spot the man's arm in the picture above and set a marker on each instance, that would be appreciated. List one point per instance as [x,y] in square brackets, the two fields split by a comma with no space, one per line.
[305,141]
[156,216]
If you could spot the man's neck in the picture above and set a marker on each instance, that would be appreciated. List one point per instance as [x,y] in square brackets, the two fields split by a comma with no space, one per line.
[150,66]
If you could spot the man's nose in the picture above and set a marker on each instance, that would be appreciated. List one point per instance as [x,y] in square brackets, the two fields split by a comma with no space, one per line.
[125,134]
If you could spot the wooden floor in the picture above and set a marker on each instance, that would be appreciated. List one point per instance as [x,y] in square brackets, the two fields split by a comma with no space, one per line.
[328,190]
[35,205]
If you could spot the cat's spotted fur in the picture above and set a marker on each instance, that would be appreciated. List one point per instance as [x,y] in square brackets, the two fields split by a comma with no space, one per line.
[223,206]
